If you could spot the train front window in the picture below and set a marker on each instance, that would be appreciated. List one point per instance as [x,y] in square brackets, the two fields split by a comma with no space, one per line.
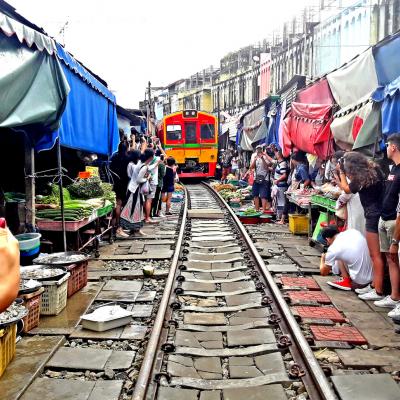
[207,131]
[190,133]
[174,132]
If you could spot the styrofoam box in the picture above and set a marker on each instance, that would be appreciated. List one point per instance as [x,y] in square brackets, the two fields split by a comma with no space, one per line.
[106,318]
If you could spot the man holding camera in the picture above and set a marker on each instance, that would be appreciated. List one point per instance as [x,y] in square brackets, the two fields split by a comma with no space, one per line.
[261,165]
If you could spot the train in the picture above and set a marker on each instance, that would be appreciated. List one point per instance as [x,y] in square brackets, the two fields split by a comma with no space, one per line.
[191,138]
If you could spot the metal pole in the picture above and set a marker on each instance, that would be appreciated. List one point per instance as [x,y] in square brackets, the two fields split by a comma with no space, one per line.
[218,111]
[148,107]
[60,185]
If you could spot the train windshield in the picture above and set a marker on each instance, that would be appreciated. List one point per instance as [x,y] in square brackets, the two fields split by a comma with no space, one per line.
[190,133]
[207,131]
[174,132]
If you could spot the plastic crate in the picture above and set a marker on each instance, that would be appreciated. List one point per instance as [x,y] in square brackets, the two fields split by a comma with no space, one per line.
[7,346]
[32,303]
[298,224]
[78,278]
[54,297]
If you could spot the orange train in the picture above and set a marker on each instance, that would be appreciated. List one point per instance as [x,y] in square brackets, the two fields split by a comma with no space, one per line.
[191,137]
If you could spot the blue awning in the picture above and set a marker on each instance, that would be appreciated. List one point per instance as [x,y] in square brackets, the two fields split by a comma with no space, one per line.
[389,96]
[386,57]
[89,122]
[75,66]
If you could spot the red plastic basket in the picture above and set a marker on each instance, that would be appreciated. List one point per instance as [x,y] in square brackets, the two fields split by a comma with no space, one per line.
[32,302]
[78,278]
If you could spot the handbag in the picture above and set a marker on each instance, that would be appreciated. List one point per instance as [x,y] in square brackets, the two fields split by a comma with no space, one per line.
[145,188]
[260,178]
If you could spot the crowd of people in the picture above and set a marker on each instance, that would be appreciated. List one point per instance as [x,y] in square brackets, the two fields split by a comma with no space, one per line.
[366,244]
[144,178]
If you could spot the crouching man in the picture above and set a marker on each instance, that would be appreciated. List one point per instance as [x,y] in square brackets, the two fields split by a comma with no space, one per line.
[347,256]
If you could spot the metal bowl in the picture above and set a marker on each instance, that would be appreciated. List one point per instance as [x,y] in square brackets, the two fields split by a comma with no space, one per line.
[62,258]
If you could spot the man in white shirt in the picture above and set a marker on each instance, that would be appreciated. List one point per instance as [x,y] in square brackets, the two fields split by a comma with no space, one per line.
[347,256]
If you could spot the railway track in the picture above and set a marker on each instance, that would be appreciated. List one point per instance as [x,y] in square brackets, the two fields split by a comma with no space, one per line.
[223,330]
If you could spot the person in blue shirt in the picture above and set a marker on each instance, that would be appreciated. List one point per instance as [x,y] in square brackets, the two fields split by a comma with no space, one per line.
[301,173]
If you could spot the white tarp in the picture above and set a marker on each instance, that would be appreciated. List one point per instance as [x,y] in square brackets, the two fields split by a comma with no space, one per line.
[25,34]
[347,123]
[252,136]
[354,82]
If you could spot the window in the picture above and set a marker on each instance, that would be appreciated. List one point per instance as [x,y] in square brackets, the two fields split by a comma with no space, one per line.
[174,132]
[207,132]
[190,132]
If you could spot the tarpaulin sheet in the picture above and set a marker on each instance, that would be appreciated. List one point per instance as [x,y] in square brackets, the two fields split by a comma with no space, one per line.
[371,129]
[317,93]
[33,89]
[89,122]
[253,136]
[387,61]
[25,34]
[389,96]
[354,82]
[307,129]
[347,124]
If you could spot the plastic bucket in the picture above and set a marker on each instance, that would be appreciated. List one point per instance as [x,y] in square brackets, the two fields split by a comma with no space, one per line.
[28,241]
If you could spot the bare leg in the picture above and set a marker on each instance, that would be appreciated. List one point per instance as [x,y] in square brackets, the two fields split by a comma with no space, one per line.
[168,205]
[344,272]
[394,273]
[265,204]
[118,208]
[257,203]
[147,209]
[377,260]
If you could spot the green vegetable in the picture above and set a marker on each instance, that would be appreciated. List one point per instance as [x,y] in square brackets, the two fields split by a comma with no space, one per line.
[87,188]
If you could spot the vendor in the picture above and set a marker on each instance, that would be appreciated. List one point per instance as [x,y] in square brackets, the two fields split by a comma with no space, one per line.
[301,173]
[347,256]
[9,267]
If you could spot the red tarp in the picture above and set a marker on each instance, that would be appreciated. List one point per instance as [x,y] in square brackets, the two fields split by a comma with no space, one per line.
[318,93]
[307,128]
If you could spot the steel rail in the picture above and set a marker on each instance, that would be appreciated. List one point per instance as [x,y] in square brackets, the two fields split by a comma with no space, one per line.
[145,373]
[319,378]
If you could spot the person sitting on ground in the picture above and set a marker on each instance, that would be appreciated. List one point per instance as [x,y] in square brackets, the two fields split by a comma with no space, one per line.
[347,256]
[169,184]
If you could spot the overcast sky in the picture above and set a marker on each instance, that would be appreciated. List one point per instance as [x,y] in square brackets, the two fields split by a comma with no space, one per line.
[129,42]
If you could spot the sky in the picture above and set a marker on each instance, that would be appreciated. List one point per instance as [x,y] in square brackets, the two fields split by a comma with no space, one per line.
[130,42]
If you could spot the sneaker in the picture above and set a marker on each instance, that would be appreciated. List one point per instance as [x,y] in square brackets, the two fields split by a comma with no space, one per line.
[365,289]
[395,313]
[342,284]
[387,302]
[371,295]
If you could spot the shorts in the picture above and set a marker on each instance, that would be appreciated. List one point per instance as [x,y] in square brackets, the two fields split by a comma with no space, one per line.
[262,190]
[386,230]
[371,224]
[168,189]
[152,193]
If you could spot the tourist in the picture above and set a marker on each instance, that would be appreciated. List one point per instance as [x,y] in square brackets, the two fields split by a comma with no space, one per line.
[235,165]
[119,166]
[138,171]
[226,164]
[156,204]
[153,182]
[347,256]
[387,224]
[262,185]
[357,174]
[281,175]
[169,184]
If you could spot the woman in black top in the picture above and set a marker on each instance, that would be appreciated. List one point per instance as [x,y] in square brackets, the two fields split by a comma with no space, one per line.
[366,179]
[169,183]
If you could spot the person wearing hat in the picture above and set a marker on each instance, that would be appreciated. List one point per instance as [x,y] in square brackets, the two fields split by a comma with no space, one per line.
[261,165]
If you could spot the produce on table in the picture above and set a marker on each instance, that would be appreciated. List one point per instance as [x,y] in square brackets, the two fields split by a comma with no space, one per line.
[74,210]
[222,186]
[109,194]
[54,196]
[86,188]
